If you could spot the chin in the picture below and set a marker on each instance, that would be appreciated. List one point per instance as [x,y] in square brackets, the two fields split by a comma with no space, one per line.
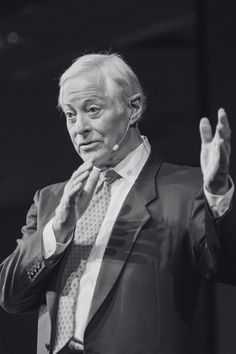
[102,161]
[100,158]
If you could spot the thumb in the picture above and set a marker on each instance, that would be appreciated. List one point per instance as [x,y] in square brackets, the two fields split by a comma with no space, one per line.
[205,131]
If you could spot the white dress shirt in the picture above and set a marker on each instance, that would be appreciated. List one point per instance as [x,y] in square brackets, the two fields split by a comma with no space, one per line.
[129,169]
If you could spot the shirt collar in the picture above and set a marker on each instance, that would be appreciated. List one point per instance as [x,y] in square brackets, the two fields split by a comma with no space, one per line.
[130,167]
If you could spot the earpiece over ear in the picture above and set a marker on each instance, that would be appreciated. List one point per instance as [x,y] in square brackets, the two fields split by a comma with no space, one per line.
[135,104]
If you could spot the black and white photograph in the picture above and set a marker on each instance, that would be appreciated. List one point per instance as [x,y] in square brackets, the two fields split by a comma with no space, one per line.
[117,178]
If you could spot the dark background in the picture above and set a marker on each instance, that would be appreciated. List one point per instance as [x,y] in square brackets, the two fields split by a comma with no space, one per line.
[184,53]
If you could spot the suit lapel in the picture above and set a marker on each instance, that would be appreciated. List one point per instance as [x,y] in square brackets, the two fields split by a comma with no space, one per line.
[133,216]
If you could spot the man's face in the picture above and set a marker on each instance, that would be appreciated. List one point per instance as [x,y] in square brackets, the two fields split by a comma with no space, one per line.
[96,120]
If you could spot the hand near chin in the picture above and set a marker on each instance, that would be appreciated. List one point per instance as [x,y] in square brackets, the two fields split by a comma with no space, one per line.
[75,200]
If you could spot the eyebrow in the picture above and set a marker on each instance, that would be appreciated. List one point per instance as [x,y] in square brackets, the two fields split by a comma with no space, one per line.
[67,105]
[84,100]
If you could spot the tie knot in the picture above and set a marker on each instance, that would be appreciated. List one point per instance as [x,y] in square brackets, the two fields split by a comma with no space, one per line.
[109,176]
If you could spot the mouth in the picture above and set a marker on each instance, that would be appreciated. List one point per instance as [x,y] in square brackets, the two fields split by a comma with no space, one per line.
[88,145]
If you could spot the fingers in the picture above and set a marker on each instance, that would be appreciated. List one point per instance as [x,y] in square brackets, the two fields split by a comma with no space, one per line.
[83,182]
[205,131]
[81,188]
[92,181]
[222,133]
[77,181]
[80,175]
[223,130]
[87,166]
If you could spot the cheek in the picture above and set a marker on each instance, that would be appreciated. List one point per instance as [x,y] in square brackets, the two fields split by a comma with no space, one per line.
[114,130]
[71,133]
[113,136]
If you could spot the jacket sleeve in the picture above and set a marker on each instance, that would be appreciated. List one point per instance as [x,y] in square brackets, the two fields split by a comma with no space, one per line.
[25,273]
[215,242]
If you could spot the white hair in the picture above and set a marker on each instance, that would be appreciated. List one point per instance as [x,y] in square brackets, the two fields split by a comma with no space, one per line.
[104,66]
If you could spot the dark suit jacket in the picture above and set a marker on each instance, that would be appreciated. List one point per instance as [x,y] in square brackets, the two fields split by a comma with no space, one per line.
[163,242]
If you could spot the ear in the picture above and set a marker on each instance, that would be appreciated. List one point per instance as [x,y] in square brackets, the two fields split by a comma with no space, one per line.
[135,104]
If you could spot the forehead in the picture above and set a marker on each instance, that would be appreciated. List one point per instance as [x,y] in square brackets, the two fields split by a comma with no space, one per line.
[85,87]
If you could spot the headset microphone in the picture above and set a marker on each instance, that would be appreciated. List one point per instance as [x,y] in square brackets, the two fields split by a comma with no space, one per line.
[116,147]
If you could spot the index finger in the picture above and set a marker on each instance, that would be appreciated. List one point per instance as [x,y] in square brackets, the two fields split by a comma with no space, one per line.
[86,166]
[205,130]
[92,181]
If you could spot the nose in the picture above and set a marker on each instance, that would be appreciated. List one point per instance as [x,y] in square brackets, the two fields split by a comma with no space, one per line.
[82,125]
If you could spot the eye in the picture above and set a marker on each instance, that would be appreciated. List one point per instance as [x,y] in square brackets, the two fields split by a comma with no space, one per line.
[94,109]
[70,116]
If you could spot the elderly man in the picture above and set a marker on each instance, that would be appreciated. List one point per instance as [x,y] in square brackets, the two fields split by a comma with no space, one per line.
[116,254]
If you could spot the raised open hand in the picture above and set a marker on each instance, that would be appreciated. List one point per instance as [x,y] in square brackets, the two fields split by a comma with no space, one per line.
[215,154]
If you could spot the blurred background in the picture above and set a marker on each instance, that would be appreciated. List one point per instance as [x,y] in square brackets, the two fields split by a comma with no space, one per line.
[184,54]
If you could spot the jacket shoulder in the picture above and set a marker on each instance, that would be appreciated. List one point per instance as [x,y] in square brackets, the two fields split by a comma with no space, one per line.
[55,189]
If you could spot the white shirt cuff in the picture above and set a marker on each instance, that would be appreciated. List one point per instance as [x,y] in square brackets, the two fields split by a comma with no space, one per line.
[219,204]
[50,246]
